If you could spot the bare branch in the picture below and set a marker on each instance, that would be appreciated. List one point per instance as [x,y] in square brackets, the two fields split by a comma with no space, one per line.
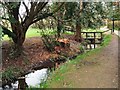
[27,10]
[29,17]
[45,15]
[40,6]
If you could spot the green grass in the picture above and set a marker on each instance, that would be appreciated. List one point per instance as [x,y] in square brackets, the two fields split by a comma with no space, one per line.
[92,30]
[55,77]
[69,32]
[34,32]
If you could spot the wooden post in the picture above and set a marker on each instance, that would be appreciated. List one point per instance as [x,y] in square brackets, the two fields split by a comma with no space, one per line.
[86,35]
[113,24]
[94,39]
[90,46]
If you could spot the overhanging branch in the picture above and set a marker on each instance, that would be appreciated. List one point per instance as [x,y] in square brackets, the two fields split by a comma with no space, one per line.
[8,32]
[43,16]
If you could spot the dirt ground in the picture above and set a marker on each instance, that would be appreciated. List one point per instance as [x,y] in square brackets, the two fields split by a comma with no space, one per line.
[34,52]
[34,55]
[99,70]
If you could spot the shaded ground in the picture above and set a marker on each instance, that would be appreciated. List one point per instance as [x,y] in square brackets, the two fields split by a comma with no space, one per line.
[99,70]
[34,56]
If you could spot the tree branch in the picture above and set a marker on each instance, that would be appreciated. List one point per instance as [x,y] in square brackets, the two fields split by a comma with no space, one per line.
[5,18]
[45,15]
[27,10]
[31,13]
[8,32]
[29,17]
[40,6]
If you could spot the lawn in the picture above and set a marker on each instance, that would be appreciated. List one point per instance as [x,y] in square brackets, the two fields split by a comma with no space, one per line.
[91,30]
[34,32]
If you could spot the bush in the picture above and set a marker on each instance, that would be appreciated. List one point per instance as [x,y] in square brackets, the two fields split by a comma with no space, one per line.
[116,25]
[50,42]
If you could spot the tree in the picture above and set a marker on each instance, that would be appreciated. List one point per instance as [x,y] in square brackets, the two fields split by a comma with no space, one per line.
[78,22]
[83,15]
[20,24]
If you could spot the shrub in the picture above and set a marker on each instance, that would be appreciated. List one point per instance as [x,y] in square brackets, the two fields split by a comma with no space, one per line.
[50,42]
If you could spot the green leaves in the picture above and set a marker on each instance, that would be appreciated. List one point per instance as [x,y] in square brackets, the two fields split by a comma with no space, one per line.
[12,19]
[12,5]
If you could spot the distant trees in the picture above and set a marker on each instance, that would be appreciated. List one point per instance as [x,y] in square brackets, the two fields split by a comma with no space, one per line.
[81,15]
[113,13]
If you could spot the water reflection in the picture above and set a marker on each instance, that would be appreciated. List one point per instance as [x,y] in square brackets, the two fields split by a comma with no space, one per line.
[37,77]
[32,79]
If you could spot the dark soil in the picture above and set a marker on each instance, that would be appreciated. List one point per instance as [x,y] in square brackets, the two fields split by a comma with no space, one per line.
[34,56]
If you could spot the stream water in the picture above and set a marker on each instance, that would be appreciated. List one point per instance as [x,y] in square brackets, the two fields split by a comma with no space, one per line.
[32,79]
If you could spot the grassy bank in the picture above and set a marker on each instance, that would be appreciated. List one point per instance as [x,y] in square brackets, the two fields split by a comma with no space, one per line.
[58,77]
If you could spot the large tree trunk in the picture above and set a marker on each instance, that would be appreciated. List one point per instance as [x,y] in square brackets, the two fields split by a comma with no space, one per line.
[17,28]
[59,28]
[20,32]
[59,22]
[78,37]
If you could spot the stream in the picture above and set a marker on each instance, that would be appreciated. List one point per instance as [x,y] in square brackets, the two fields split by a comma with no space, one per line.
[32,79]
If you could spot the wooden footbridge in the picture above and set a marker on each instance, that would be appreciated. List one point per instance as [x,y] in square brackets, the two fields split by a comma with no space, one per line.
[93,38]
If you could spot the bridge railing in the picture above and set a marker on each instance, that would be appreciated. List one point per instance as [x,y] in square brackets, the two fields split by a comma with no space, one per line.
[93,37]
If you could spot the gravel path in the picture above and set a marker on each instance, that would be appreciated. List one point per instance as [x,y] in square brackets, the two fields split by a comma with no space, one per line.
[117,32]
[104,74]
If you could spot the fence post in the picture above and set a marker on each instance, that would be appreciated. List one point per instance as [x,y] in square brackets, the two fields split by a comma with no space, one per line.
[94,40]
